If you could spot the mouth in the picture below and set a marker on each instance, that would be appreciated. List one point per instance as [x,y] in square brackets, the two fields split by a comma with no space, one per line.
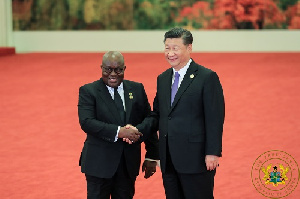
[172,59]
[112,79]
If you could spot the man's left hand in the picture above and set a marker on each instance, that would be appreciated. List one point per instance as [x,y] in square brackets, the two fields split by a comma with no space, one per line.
[149,167]
[212,161]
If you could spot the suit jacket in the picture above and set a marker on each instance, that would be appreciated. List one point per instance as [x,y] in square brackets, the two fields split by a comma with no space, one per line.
[192,127]
[99,119]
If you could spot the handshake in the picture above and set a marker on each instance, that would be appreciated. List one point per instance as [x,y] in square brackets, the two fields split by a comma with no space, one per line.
[129,134]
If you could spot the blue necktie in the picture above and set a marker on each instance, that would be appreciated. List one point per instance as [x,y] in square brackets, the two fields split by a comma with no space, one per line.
[174,87]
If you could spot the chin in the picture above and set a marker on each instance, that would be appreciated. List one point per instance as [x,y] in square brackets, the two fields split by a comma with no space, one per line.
[173,64]
[112,84]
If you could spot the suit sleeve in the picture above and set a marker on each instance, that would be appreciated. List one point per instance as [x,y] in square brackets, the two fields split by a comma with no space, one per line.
[152,148]
[149,129]
[155,112]
[214,110]
[148,124]
[87,117]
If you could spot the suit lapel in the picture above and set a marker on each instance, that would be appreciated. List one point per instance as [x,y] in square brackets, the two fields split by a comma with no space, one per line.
[107,99]
[128,97]
[166,83]
[190,75]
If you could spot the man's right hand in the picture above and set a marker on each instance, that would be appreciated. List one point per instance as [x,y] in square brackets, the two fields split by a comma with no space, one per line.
[131,133]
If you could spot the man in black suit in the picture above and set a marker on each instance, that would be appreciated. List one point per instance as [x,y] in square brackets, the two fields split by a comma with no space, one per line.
[189,105]
[112,110]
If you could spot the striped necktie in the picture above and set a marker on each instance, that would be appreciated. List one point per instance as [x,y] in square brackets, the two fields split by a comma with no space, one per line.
[119,103]
[174,87]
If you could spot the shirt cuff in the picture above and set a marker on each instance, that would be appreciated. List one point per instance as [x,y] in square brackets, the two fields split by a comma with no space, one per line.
[157,161]
[116,138]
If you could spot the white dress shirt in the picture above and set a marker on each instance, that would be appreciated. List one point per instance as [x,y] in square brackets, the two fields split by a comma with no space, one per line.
[181,72]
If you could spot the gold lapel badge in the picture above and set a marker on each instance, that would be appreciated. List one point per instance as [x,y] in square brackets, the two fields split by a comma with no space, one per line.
[192,76]
[130,96]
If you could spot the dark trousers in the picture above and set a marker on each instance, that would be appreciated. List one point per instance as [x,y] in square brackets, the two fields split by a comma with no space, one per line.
[187,186]
[120,186]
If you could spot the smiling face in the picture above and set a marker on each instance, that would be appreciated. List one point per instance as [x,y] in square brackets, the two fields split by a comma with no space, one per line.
[113,69]
[176,53]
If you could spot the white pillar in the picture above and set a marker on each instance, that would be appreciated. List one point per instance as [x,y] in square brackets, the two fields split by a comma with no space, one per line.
[6,32]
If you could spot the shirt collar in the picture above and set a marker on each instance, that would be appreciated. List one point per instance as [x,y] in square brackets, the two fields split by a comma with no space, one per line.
[120,87]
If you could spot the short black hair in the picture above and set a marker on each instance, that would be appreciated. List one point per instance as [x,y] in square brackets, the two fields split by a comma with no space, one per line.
[179,32]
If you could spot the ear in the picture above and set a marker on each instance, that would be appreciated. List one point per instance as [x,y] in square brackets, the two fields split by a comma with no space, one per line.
[124,68]
[190,48]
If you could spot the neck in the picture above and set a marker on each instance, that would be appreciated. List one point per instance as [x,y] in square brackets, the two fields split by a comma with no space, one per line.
[177,68]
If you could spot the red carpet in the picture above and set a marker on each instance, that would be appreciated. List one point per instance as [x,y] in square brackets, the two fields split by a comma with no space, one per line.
[40,137]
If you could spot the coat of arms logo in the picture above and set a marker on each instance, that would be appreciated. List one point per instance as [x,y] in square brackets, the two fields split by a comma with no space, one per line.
[275,174]
[275,177]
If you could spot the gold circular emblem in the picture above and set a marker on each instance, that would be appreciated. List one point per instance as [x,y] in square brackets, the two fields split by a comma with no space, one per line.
[275,174]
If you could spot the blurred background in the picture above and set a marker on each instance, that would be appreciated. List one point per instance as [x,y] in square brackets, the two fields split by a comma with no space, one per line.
[154,14]
[91,25]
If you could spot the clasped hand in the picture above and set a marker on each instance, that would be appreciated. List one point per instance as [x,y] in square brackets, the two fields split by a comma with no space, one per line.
[130,134]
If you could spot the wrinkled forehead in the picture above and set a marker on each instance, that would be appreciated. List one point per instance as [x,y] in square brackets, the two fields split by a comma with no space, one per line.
[116,61]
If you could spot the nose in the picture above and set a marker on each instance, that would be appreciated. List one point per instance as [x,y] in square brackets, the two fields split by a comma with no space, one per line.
[113,72]
[171,53]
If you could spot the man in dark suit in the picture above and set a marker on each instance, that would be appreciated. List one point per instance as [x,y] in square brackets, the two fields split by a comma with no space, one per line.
[189,105]
[112,110]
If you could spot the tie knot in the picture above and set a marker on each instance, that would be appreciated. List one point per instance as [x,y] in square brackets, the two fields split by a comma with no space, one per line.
[177,74]
[116,89]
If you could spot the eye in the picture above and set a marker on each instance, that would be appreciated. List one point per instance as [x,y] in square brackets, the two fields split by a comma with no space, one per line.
[119,70]
[107,70]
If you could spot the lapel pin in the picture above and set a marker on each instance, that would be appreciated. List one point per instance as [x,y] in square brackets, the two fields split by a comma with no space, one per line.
[130,96]
[192,76]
